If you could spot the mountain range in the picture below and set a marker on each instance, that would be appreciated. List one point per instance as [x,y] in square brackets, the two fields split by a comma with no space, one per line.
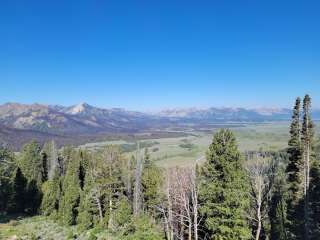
[23,121]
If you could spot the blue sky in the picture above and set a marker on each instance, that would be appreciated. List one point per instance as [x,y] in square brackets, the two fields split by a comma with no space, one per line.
[156,54]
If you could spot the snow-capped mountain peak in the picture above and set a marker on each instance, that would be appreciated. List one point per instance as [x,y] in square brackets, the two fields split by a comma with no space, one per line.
[79,108]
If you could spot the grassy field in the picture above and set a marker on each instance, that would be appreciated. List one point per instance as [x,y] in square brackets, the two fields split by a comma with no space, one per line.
[32,228]
[182,151]
[39,227]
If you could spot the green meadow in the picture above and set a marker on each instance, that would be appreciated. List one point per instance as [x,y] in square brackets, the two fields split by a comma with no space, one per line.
[183,151]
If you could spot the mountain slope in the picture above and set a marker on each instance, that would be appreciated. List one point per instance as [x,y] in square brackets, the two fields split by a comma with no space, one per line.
[231,114]
[19,122]
[227,114]
[78,119]
[40,118]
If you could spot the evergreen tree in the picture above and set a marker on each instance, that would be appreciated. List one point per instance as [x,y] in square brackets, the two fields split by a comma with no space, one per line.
[223,190]
[123,212]
[84,164]
[30,163]
[17,200]
[45,166]
[151,182]
[315,200]
[142,228]
[33,197]
[65,158]
[294,172]
[311,175]
[88,212]
[71,192]
[308,157]
[278,209]
[51,196]
[7,171]
[147,157]
[103,187]
[109,186]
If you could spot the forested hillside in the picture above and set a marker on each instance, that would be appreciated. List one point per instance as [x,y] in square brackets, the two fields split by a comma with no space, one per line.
[47,192]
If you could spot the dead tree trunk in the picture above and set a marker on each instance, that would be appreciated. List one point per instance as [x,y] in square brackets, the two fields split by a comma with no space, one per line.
[170,214]
[98,202]
[261,174]
[259,218]
[194,198]
[306,188]
[53,165]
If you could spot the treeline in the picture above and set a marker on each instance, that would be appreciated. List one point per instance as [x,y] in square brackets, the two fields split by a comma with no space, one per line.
[256,195]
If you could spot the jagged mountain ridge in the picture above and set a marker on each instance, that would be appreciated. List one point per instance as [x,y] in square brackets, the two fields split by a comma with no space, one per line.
[86,119]
[228,114]
[78,119]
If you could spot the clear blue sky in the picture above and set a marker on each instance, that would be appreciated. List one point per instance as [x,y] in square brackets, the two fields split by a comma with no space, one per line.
[160,53]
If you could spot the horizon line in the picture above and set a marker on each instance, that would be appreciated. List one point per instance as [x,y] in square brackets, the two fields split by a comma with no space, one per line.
[157,109]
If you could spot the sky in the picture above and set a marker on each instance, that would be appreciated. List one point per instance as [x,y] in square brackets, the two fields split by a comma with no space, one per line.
[148,55]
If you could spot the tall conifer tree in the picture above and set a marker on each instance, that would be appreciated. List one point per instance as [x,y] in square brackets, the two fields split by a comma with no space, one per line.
[31,163]
[294,172]
[17,201]
[308,159]
[51,195]
[68,206]
[151,182]
[223,190]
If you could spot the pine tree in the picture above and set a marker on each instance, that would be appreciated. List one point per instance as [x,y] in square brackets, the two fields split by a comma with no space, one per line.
[30,162]
[223,190]
[151,182]
[7,171]
[51,196]
[294,172]
[33,197]
[103,187]
[85,158]
[123,212]
[109,169]
[67,154]
[88,211]
[147,157]
[315,200]
[278,209]
[71,192]
[311,175]
[308,158]
[143,228]
[17,201]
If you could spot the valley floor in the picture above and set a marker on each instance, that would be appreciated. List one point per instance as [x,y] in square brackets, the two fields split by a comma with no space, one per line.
[188,150]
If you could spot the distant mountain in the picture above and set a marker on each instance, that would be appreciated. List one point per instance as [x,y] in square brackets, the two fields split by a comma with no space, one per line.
[115,119]
[38,117]
[210,115]
[78,123]
[78,119]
